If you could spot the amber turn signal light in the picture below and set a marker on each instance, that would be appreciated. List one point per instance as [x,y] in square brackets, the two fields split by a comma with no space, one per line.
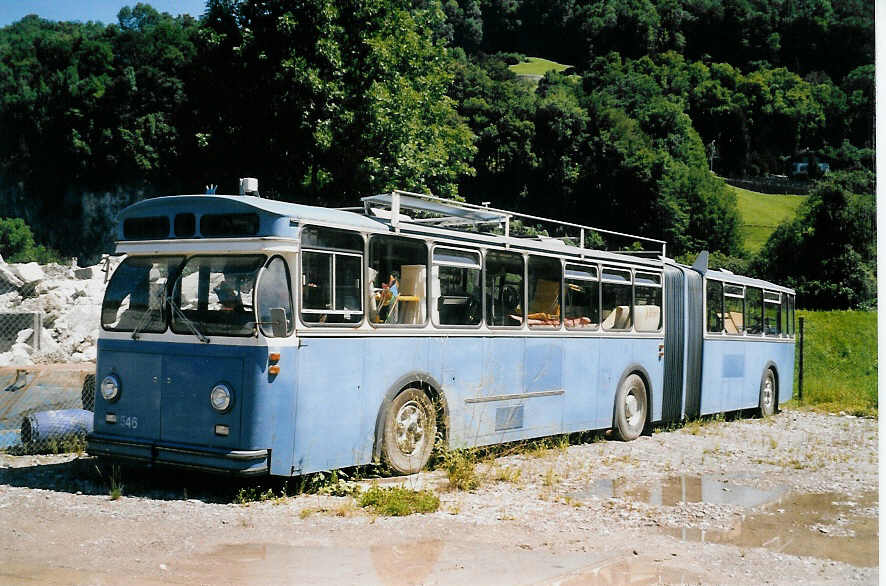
[273,357]
[274,369]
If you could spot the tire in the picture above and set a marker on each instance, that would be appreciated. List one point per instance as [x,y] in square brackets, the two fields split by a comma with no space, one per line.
[631,406]
[768,391]
[410,429]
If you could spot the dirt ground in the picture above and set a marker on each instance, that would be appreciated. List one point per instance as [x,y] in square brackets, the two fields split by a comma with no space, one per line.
[789,499]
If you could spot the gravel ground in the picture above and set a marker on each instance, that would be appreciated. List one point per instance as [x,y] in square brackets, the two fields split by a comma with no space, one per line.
[788,499]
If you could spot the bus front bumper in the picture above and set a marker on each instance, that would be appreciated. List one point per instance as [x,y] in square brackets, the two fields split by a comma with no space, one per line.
[234,462]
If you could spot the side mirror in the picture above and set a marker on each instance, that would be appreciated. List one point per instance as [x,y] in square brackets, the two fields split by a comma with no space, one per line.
[278,322]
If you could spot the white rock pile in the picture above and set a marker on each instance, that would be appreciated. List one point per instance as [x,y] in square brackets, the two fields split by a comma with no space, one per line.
[69,299]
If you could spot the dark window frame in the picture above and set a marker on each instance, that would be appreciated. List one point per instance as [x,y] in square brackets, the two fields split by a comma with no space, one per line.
[231,218]
[617,283]
[707,298]
[334,254]
[145,221]
[595,323]
[369,285]
[654,285]
[552,260]
[479,266]
[486,293]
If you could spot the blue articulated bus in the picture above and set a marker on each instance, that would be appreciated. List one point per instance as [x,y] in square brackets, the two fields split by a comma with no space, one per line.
[249,336]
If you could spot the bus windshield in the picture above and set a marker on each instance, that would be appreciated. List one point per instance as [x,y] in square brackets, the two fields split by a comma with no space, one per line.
[213,295]
[135,296]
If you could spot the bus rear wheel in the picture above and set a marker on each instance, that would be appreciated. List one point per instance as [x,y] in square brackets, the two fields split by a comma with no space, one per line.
[410,429]
[767,394]
[630,408]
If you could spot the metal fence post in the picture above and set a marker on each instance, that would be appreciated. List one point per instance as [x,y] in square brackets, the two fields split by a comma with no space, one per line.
[800,385]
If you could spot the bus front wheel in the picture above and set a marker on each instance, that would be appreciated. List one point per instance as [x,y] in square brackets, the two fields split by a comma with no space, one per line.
[410,429]
[630,408]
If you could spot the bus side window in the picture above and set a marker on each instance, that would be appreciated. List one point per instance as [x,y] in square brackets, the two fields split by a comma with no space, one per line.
[772,313]
[331,279]
[715,306]
[455,287]
[647,302]
[582,297]
[545,275]
[274,292]
[398,274]
[504,288]
[754,297]
[617,303]
[733,315]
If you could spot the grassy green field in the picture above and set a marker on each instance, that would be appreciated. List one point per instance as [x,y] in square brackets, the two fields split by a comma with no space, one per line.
[840,361]
[762,212]
[537,66]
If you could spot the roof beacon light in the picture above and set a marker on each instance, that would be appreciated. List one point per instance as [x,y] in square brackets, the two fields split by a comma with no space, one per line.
[249,186]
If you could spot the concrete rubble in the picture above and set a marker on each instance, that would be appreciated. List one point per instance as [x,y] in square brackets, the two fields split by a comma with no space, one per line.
[69,299]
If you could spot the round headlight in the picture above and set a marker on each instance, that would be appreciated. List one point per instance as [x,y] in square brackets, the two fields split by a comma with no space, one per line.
[221,397]
[110,388]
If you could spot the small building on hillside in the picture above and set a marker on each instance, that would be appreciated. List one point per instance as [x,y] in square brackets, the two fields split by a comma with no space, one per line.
[801,163]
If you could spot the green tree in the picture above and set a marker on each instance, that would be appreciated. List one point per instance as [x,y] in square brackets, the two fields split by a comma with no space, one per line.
[828,252]
[17,243]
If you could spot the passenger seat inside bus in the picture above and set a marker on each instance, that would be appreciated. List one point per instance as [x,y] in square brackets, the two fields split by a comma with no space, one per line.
[618,319]
[647,318]
[733,322]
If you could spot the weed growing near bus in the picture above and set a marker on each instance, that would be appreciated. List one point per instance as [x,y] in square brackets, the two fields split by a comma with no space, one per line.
[397,501]
[115,481]
[840,361]
[507,474]
[461,469]
[254,494]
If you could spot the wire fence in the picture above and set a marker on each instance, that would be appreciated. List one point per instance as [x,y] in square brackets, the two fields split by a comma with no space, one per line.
[46,400]
[49,321]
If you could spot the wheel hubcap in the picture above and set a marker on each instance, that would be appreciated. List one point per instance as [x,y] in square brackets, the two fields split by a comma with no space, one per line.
[768,392]
[410,427]
[632,409]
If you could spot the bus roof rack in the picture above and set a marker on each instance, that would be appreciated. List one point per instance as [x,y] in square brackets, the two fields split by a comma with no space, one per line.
[450,213]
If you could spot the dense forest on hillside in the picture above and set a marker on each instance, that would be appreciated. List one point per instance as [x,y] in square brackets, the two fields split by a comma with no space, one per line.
[326,101]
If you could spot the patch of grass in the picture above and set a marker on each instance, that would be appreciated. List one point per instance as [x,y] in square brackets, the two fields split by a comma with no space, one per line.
[695,426]
[761,212]
[507,474]
[254,494]
[345,509]
[461,469]
[537,66]
[72,444]
[550,478]
[397,501]
[840,362]
[115,482]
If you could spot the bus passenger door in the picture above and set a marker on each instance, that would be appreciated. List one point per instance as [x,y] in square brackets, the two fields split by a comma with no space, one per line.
[332,405]
[460,363]
[723,375]
[543,385]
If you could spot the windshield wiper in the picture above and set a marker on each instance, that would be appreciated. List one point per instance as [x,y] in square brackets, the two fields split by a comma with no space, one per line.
[145,318]
[191,325]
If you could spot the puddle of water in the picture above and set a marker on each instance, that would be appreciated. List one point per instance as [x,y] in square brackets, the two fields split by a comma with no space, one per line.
[686,489]
[828,526]
[407,563]
[265,563]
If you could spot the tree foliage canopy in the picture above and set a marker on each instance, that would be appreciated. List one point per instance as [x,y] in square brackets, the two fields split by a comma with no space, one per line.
[326,101]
